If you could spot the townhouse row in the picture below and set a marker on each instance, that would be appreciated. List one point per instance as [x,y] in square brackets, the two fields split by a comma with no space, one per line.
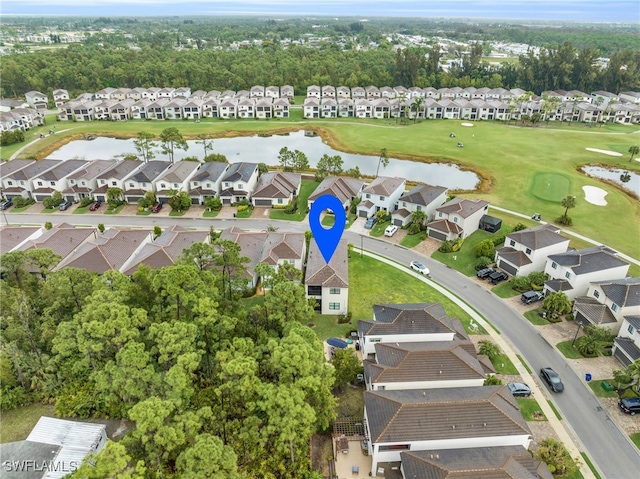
[427,412]
[126,249]
[20,118]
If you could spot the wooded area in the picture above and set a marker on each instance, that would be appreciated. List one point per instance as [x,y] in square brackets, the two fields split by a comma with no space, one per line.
[210,385]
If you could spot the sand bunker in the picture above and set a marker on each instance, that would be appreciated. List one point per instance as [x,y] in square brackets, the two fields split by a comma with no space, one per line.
[605,152]
[466,124]
[595,195]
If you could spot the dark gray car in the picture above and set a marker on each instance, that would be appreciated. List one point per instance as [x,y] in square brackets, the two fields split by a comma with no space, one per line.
[531,297]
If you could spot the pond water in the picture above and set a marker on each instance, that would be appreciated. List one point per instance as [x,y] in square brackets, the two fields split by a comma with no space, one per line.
[632,185]
[259,149]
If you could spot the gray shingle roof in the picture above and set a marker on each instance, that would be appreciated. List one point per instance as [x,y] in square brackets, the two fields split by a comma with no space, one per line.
[597,258]
[441,414]
[623,292]
[240,171]
[7,168]
[35,169]
[423,194]
[594,311]
[150,172]
[335,274]
[179,171]
[210,171]
[471,463]
[342,188]
[538,237]
[121,170]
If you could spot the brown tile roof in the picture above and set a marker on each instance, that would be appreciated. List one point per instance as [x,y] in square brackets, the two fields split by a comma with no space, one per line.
[250,243]
[498,462]
[424,361]
[12,236]
[515,257]
[342,188]
[384,185]
[121,170]
[335,274]
[462,206]
[414,318]
[445,226]
[61,239]
[282,246]
[442,414]
[277,185]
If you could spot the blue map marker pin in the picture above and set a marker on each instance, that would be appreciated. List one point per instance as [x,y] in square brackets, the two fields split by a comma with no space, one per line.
[327,239]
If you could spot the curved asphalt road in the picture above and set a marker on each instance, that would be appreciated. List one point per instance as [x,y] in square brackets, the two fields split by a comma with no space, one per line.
[604,443]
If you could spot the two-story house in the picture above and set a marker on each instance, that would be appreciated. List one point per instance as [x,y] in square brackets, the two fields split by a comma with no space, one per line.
[345,189]
[284,248]
[54,179]
[205,183]
[626,346]
[311,107]
[405,323]
[114,178]
[238,182]
[281,108]
[573,271]
[175,178]
[251,244]
[448,418]
[276,189]
[37,100]
[457,218]
[264,108]
[526,251]
[381,194]
[60,97]
[425,198]
[328,283]
[83,182]
[607,303]
[142,180]
[9,185]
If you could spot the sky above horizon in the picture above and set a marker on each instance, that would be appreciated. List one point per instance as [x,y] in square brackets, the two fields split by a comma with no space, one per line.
[627,11]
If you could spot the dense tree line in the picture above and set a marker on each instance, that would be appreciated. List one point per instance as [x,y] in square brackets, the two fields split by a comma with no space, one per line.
[91,68]
[214,389]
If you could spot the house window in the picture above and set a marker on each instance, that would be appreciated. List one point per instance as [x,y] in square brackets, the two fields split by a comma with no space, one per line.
[512,243]
[554,265]
[314,290]
[39,183]
[208,185]
[131,185]
[567,275]
[614,307]
[279,201]
[440,214]
[334,306]
[163,186]
[631,329]
[10,183]
[382,198]
[334,291]
[226,184]
[21,183]
[455,219]
[176,185]
[395,447]
[374,340]
[368,196]
[596,293]
[240,186]
[404,204]
[528,251]
[114,183]
[144,185]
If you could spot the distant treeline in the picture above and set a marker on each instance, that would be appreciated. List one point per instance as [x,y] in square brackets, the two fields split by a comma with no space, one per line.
[92,67]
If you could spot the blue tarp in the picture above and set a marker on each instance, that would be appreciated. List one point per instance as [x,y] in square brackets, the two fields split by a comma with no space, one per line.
[337,343]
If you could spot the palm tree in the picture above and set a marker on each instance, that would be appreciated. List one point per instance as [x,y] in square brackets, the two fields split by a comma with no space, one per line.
[383,159]
[418,217]
[489,349]
[557,303]
[417,104]
[568,202]
[634,150]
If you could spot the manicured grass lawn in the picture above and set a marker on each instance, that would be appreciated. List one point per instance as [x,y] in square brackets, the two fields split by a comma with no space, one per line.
[534,318]
[550,186]
[306,188]
[568,351]
[177,213]
[17,424]
[531,410]
[48,211]
[596,387]
[21,209]
[513,176]
[80,210]
[503,365]
[244,214]
[378,230]
[146,212]
[326,326]
[635,438]
[504,290]
[114,211]
[328,220]
[210,214]
[409,241]
[372,282]
[464,260]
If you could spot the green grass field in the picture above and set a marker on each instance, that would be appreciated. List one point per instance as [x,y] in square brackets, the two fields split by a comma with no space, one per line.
[511,159]
[306,188]
[568,351]
[596,387]
[531,410]
[17,424]
[550,186]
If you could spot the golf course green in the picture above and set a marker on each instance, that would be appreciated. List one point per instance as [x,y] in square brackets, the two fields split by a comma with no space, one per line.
[524,169]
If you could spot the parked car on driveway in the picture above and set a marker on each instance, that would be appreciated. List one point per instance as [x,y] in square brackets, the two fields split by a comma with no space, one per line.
[519,390]
[630,405]
[65,206]
[390,230]
[485,272]
[419,267]
[370,222]
[552,379]
[157,207]
[531,297]
[497,277]
[6,204]
[95,206]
